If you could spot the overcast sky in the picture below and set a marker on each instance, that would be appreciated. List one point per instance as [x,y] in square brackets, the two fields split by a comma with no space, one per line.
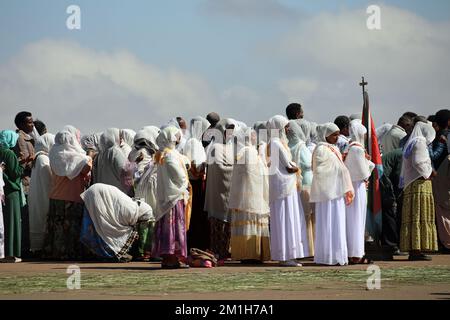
[136,63]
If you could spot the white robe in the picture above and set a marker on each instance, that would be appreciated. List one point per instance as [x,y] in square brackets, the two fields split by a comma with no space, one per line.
[360,170]
[286,211]
[38,199]
[330,238]
[356,221]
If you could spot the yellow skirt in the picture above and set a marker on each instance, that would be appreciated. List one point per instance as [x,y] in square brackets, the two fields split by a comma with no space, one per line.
[249,236]
[418,230]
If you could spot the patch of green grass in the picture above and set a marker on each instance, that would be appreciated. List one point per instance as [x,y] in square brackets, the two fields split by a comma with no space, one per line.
[141,282]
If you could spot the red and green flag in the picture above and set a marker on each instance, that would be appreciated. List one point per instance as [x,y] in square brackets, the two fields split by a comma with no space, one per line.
[373,220]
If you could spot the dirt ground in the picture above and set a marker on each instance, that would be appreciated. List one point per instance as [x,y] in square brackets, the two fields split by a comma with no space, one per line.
[400,279]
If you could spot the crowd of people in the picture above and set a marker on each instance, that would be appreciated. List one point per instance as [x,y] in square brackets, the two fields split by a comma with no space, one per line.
[279,190]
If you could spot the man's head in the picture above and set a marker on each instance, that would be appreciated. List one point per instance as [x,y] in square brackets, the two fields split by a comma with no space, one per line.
[443,119]
[406,123]
[410,114]
[432,119]
[213,118]
[294,111]
[24,121]
[343,123]
[40,127]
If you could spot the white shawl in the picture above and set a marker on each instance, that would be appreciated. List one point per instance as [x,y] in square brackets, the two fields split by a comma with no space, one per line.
[193,148]
[114,214]
[172,176]
[249,190]
[416,157]
[67,157]
[282,183]
[358,165]
[331,178]
[38,196]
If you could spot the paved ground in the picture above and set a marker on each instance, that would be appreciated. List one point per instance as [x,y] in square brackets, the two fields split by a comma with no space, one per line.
[400,279]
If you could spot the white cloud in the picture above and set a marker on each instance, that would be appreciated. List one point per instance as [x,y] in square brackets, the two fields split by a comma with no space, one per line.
[406,63]
[62,82]
[298,89]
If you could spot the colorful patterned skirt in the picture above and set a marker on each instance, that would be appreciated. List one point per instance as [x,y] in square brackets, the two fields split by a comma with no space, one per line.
[62,240]
[170,233]
[418,230]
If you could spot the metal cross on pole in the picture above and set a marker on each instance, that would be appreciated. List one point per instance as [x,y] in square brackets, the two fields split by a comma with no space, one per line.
[363,84]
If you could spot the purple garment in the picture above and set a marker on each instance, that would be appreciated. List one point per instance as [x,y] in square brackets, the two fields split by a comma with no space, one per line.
[170,233]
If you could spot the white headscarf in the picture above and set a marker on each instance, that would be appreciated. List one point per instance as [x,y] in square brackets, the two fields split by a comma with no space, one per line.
[110,138]
[91,141]
[145,144]
[313,135]
[358,165]
[325,130]
[295,133]
[127,136]
[193,148]
[331,178]
[44,143]
[111,161]
[381,131]
[243,138]
[306,127]
[357,131]
[276,126]
[74,131]
[114,214]
[168,137]
[172,175]
[67,158]
[259,126]
[416,157]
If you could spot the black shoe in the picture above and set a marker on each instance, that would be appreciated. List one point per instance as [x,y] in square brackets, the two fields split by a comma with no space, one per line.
[419,257]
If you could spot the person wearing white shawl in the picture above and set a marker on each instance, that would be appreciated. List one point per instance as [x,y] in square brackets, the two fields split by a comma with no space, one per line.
[126,140]
[262,135]
[145,182]
[249,202]
[71,169]
[311,143]
[360,169]
[180,123]
[111,166]
[38,198]
[172,210]
[198,235]
[286,210]
[91,142]
[143,152]
[418,231]
[115,218]
[218,180]
[331,191]
[302,156]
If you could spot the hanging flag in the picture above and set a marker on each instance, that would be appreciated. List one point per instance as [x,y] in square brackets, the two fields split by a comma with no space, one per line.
[373,220]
